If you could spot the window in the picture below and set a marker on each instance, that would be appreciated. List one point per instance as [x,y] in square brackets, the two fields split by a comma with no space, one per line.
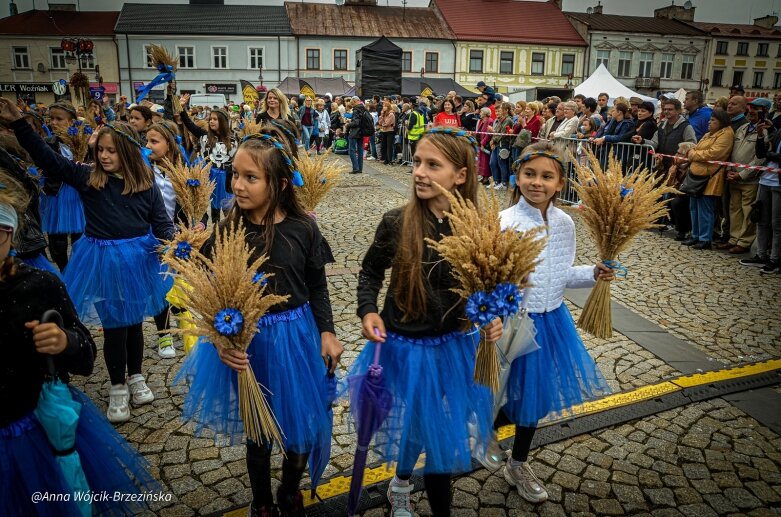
[762,49]
[506,62]
[148,56]
[718,77]
[759,77]
[742,48]
[666,70]
[432,62]
[21,57]
[737,77]
[87,61]
[687,67]
[340,59]
[57,59]
[406,61]
[624,63]
[219,57]
[777,80]
[186,57]
[646,60]
[603,58]
[313,59]
[475,61]
[538,63]
[721,47]
[255,58]
[567,64]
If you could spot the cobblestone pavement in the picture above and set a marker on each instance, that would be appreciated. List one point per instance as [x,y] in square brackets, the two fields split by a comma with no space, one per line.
[705,459]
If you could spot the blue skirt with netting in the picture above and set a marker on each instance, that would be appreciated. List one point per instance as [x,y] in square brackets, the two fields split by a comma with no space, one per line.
[435,399]
[561,374]
[41,262]
[118,282]
[285,357]
[221,198]
[29,465]
[62,213]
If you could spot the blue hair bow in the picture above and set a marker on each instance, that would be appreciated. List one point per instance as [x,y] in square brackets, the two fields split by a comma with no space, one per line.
[182,150]
[166,75]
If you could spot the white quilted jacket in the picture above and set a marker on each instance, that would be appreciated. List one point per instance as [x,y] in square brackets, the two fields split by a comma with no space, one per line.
[555,271]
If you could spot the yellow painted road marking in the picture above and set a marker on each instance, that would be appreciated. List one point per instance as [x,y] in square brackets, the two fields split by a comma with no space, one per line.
[340,485]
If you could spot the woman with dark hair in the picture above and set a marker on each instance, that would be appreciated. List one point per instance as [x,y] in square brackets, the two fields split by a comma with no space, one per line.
[613,132]
[715,145]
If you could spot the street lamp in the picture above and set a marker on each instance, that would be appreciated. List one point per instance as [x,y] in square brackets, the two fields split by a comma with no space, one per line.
[75,48]
[260,74]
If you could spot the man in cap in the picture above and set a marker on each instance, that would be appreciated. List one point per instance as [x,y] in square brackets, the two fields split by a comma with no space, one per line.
[486,90]
[634,104]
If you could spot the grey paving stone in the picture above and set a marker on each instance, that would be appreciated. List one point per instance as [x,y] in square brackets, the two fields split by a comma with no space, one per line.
[660,496]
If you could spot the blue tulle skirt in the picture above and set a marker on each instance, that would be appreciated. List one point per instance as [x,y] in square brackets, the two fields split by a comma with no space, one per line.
[561,374]
[221,198]
[62,213]
[41,262]
[118,282]
[285,357]
[110,464]
[434,400]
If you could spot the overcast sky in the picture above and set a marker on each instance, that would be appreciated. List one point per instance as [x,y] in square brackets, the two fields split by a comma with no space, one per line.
[728,11]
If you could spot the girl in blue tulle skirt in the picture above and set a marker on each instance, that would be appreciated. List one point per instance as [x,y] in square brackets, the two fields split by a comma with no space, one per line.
[561,374]
[427,346]
[29,465]
[114,276]
[295,351]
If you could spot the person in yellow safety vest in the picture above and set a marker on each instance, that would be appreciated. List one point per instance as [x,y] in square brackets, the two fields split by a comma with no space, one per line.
[415,127]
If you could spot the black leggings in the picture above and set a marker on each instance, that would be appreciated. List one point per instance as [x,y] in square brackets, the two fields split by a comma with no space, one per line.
[523,437]
[388,154]
[123,349]
[679,213]
[58,247]
[163,320]
[259,470]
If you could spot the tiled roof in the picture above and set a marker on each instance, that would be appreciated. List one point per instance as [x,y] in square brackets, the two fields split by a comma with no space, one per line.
[315,19]
[636,24]
[233,20]
[512,21]
[59,24]
[734,30]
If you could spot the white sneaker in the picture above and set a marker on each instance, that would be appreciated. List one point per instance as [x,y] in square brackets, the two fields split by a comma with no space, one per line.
[399,497]
[370,158]
[165,347]
[139,390]
[500,186]
[490,456]
[522,477]
[118,410]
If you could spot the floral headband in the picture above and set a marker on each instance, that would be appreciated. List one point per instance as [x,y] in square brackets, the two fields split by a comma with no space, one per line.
[298,180]
[456,132]
[536,154]
[285,130]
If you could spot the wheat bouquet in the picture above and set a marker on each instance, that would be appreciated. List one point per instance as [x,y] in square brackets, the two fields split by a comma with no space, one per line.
[76,137]
[227,297]
[615,209]
[320,176]
[490,265]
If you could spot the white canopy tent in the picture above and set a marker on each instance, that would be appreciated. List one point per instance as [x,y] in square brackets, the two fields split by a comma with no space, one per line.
[601,81]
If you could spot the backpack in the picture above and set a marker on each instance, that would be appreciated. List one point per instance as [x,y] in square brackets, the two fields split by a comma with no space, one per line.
[367,124]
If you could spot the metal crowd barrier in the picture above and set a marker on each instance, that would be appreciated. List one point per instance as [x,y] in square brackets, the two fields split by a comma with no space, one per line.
[633,156]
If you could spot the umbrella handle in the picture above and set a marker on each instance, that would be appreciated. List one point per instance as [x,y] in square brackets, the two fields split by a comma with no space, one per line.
[377,348]
[51,316]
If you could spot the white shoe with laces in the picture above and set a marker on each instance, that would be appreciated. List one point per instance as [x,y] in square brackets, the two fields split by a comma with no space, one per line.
[139,391]
[399,497]
[118,409]
[522,477]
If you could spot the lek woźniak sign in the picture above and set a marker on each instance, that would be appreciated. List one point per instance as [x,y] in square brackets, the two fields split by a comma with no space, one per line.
[26,87]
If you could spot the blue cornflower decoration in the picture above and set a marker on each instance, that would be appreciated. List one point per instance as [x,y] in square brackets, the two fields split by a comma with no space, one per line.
[322,181]
[507,298]
[625,191]
[183,250]
[480,308]
[88,130]
[97,119]
[260,277]
[229,322]
[73,131]
[193,183]
[77,123]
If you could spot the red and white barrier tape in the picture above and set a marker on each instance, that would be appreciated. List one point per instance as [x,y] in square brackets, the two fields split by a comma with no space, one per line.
[726,164]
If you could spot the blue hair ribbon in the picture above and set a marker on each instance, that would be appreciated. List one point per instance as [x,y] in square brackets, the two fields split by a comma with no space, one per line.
[182,150]
[537,154]
[297,179]
[620,271]
[166,75]
[457,133]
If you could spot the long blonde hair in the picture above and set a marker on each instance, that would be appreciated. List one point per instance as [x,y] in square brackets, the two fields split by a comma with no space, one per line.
[284,108]
[408,282]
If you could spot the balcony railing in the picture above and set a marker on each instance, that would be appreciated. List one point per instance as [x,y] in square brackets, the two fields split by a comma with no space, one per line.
[647,82]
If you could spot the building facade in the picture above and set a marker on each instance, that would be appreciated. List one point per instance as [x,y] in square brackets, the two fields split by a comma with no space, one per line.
[650,55]
[745,55]
[515,46]
[34,63]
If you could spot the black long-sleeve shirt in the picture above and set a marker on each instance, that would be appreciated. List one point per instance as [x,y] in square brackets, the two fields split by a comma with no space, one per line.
[445,310]
[24,297]
[297,260]
[109,214]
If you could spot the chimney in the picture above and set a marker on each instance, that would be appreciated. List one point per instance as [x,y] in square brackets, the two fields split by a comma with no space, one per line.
[768,22]
[557,3]
[684,12]
[597,8]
